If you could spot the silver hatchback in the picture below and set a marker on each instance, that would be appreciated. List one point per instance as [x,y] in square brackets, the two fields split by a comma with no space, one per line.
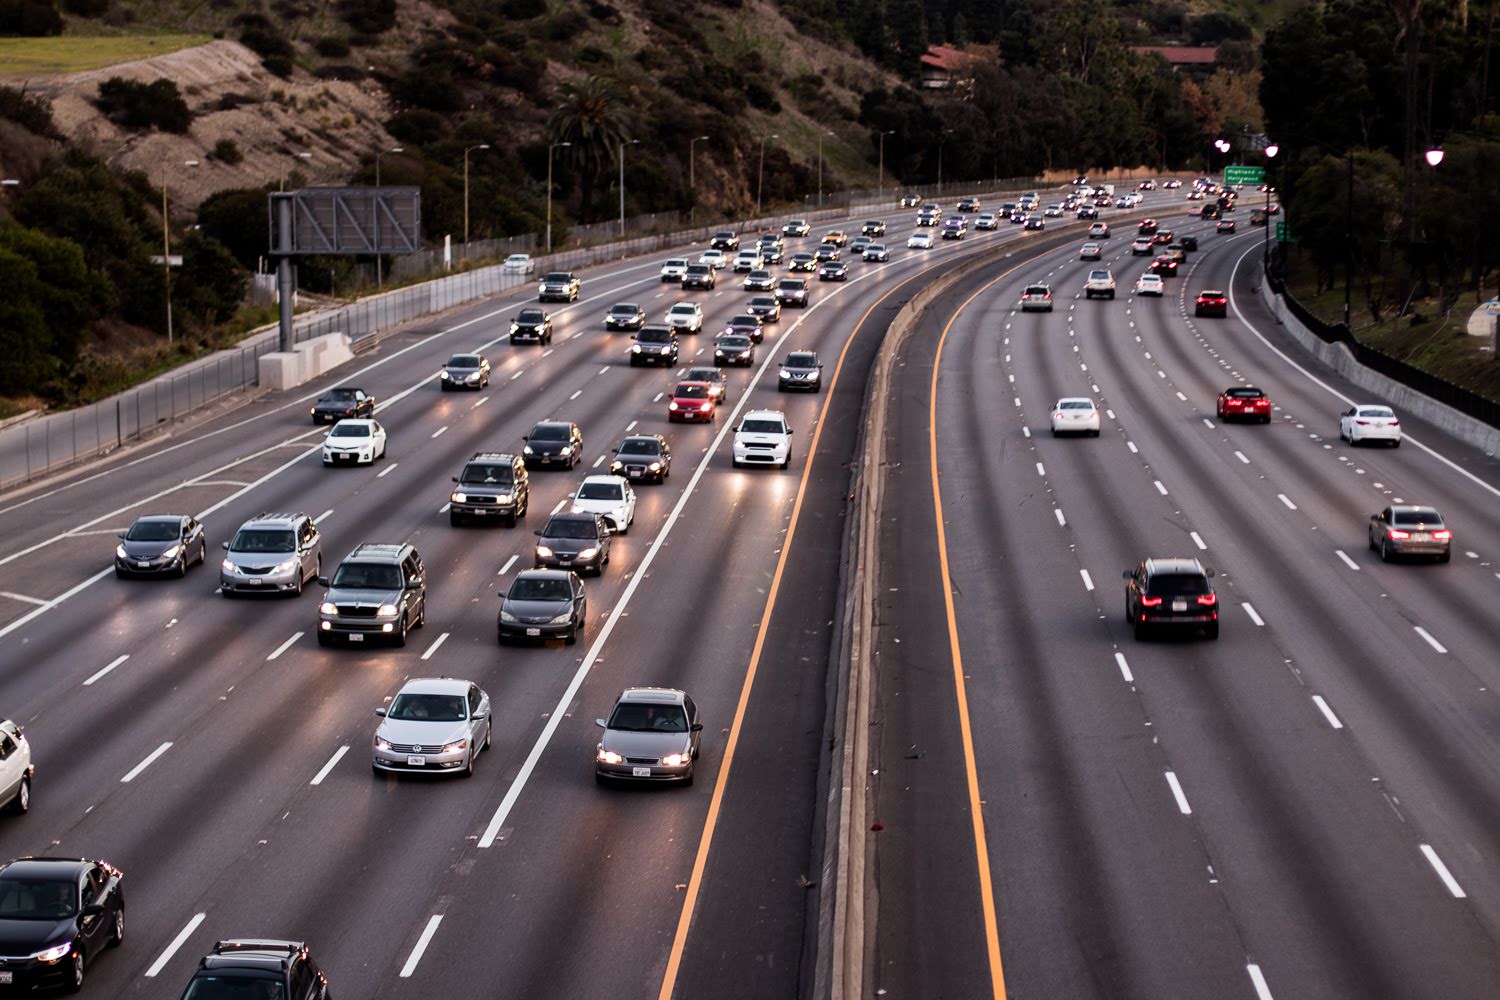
[434,724]
[271,554]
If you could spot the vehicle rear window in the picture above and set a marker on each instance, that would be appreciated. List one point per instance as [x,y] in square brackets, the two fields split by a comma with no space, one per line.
[1076,404]
[1426,516]
[264,540]
[153,531]
[1175,584]
[1245,393]
[487,475]
[1376,411]
[1038,290]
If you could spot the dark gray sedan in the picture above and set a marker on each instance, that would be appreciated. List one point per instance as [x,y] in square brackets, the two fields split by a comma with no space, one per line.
[465,371]
[160,543]
[652,734]
[573,541]
[734,349]
[543,604]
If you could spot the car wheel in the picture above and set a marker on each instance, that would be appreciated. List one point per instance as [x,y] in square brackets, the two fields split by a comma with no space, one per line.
[399,638]
[1094,433]
[1385,551]
[75,981]
[119,573]
[202,553]
[510,521]
[468,771]
[1396,443]
[489,731]
[1212,631]
[298,591]
[422,617]
[117,933]
[1266,419]
[571,638]
[182,566]
[736,462]
[500,639]
[21,804]
[1445,557]
[688,781]
[601,780]
[1140,631]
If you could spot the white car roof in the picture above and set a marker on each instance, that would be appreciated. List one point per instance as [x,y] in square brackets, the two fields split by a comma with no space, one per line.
[685,307]
[605,478]
[764,415]
[519,256]
[364,422]
[435,685]
[1374,410]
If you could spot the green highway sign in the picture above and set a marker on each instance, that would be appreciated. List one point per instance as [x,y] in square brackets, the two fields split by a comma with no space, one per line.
[1244,175]
[1284,235]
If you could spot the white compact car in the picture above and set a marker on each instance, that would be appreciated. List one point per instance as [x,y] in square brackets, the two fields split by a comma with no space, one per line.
[15,768]
[714,259]
[519,263]
[763,438]
[674,269]
[354,442]
[1370,422]
[1075,415]
[610,496]
[1150,284]
[686,317]
[919,241]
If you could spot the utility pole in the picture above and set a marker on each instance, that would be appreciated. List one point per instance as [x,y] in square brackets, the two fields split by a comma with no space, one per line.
[881,199]
[550,150]
[380,261]
[623,144]
[692,180]
[482,145]
[761,176]
[166,245]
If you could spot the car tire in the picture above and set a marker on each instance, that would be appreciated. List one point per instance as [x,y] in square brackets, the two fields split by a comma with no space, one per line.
[324,639]
[117,933]
[571,639]
[298,591]
[601,780]
[1385,551]
[76,966]
[1140,631]
[736,462]
[468,771]
[1445,557]
[1111,296]
[1211,632]
[202,553]
[489,731]
[421,621]
[688,781]
[1093,433]
[1395,444]
[182,566]
[398,639]
[119,573]
[500,639]
[21,804]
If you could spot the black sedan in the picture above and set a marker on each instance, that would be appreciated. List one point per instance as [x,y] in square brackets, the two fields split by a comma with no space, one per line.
[56,916]
[1164,266]
[643,458]
[834,270]
[161,543]
[543,604]
[827,252]
[625,316]
[553,442]
[345,401]
[733,349]
[767,307]
[746,325]
[532,325]
[791,292]
[803,261]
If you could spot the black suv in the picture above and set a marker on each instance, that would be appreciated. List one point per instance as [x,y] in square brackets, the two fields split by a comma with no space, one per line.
[624,316]
[579,542]
[533,325]
[250,967]
[724,241]
[654,345]
[699,276]
[800,370]
[493,484]
[378,592]
[643,457]
[553,442]
[345,401]
[1175,593]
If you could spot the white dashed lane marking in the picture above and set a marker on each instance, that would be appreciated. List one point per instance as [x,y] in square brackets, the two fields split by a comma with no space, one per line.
[1333,720]
[1427,637]
[1182,802]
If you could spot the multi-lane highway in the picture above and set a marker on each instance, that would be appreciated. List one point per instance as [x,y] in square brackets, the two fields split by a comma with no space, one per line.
[1306,807]
[216,754]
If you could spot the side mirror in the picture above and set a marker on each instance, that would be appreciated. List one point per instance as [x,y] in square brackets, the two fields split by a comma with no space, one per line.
[696,727]
[1128,574]
[538,531]
[414,584]
[120,535]
[1209,572]
[224,545]
[599,723]
[525,437]
[479,716]
[323,582]
[380,711]
[455,479]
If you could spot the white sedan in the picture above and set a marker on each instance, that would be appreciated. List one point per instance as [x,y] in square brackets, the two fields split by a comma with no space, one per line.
[714,259]
[610,496]
[354,442]
[919,241]
[1075,415]
[519,263]
[685,316]
[1370,422]
[1150,284]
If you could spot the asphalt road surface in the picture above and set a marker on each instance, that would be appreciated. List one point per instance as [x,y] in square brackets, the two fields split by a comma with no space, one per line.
[213,751]
[1306,807]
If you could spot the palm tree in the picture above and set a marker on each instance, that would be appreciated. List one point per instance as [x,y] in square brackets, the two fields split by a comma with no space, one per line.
[590,116]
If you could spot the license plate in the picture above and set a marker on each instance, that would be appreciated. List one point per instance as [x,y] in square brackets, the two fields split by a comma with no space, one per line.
[142,563]
[640,772]
[635,473]
[413,760]
[1179,604]
[533,631]
[7,977]
[1420,536]
[356,637]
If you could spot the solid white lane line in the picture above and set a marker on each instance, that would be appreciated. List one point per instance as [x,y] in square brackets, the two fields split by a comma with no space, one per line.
[100,673]
[1088,581]
[1286,500]
[286,645]
[597,462]
[1062,521]
[150,759]
[177,942]
[1182,802]
[1347,561]
[1443,873]
[439,432]
[338,755]
[1430,640]
[576,394]
[1333,720]
[387,470]
[1159,487]
[1039,470]
[1197,539]
[1251,612]
[23,598]
[44,608]
[560,505]
[1124,668]
[1262,991]
[434,647]
[508,564]
[1241,456]
[319,518]
[631,426]
[421,946]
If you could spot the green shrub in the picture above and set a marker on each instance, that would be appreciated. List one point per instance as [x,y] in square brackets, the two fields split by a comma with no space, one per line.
[430,89]
[29,18]
[760,96]
[332,47]
[135,105]
[369,17]
[226,151]
[31,113]
[418,127]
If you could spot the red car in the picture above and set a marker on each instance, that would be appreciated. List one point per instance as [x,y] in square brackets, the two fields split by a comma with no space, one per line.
[1164,236]
[1164,266]
[1244,401]
[1212,302]
[1225,226]
[691,401]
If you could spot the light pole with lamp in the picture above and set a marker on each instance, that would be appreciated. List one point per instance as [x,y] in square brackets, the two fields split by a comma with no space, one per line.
[467,151]
[942,138]
[550,150]
[379,261]
[166,245]
[760,180]
[821,137]
[692,179]
[881,198]
[1222,145]
[623,144]
[1271,151]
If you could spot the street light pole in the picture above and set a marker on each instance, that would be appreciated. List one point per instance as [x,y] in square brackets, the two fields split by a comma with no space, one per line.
[550,148]
[942,139]
[760,181]
[881,198]
[379,261]
[693,180]
[1271,152]
[467,151]
[623,144]
[166,245]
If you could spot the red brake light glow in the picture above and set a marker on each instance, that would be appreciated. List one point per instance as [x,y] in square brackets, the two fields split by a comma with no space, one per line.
[1149,602]
[1397,533]
[1443,535]
[1208,600]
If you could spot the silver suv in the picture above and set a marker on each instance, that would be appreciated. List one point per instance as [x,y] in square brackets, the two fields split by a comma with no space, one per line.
[271,553]
[378,592]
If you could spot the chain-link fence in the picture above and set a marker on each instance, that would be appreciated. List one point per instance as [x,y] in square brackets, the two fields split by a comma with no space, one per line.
[44,444]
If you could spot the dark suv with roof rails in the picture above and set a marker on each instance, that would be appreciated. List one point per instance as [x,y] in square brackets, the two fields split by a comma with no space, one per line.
[252,967]
[1171,593]
[492,484]
[378,592]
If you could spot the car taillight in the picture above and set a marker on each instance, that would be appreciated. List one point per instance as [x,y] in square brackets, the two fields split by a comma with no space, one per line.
[1149,602]
[1363,423]
[1397,533]
[1393,422]
[1442,536]
[1208,600]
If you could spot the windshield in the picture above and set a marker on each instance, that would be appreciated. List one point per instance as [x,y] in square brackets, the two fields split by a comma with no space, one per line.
[348,430]
[600,491]
[264,540]
[558,276]
[153,531]
[517,258]
[538,590]
[25,899]
[691,392]
[1422,515]
[370,576]
[677,262]
[238,986]
[797,359]
[530,316]
[734,343]
[681,309]
[625,309]
[339,396]
[549,432]
[744,321]
[637,718]
[704,375]
[763,301]
[1177,584]
[761,427]
[571,528]
[488,475]
[428,708]
[654,335]
[464,361]
[640,447]
[792,284]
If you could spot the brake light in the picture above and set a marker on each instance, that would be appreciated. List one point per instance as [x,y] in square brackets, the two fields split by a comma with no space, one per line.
[1363,423]
[1397,533]
[1149,602]
[1443,535]
[1208,600]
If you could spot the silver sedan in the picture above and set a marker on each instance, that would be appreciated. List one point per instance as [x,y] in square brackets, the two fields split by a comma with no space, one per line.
[434,724]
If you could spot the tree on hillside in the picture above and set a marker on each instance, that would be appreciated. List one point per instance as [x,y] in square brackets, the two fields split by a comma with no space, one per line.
[590,115]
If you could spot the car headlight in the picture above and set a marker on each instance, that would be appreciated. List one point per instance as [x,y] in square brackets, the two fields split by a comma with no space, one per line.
[455,746]
[503,498]
[286,565]
[563,618]
[444,376]
[56,954]
[515,328]
[527,450]
[608,757]
[381,743]
[327,608]
[589,553]
[457,497]
[676,759]
[785,373]
[616,466]
[472,377]
[387,611]
[506,616]
[543,552]
[227,566]
[567,450]
[667,349]
[672,406]
[655,466]
[718,354]
[119,552]
[635,348]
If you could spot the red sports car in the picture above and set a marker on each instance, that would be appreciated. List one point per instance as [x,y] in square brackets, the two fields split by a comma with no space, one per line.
[1245,401]
[691,401]
[1225,226]
[1212,302]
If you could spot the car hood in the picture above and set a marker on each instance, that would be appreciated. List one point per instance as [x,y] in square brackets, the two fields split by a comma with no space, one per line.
[422,733]
[536,612]
[546,447]
[25,937]
[362,596]
[347,443]
[567,545]
[147,550]
[633,744]
[798,370]
[602,506]
[455,372]
[752,438]
[258,560]
[335,406]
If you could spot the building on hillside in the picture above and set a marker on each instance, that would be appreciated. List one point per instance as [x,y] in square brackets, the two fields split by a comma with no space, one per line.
[947,68]
[1193,59]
